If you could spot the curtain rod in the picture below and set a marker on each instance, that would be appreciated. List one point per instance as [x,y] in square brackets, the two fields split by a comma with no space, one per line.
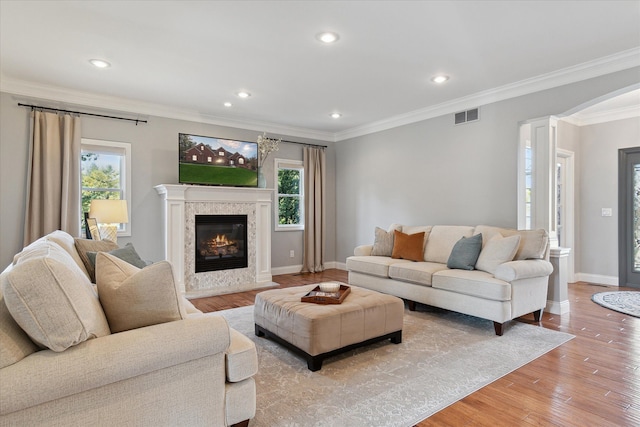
[80,112]
[304,143]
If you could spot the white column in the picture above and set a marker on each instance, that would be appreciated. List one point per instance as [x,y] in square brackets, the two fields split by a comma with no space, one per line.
[558,293]
[174,231]
[544,147]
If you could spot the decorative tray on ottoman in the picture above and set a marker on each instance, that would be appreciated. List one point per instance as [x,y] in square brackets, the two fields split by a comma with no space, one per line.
[317,296]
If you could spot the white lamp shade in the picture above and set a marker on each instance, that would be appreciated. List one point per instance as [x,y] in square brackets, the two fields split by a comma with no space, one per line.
[109,211]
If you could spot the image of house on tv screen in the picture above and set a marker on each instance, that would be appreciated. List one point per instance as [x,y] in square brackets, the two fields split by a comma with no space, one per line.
[208,160]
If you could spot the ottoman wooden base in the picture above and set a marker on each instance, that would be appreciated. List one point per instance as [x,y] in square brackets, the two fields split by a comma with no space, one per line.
[320,331]
[314,363]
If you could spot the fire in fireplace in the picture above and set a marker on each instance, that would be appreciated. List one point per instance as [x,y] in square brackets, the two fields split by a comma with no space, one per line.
[221,242]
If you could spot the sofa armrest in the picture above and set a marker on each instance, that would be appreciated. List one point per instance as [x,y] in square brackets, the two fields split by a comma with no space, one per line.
[45,376]
[525,269]
[363,250]
[241,358]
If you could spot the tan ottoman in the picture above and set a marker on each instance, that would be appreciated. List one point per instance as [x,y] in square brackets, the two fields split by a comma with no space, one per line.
[319,331]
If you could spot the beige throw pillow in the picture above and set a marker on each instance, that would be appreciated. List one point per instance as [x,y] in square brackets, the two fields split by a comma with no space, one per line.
[498,250]
[53,302]
[87,245]
[383,244]
[132,297]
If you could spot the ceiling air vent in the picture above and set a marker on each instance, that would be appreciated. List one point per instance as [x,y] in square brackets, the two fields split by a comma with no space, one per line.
[472,115]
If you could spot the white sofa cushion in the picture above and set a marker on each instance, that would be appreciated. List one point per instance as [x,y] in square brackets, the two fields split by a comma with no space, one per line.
[533,243]
[415,272]
[132,297]
[15,345]
[52,299]
[374,265]
[498,250]
[475,283]
[442,239]
[67,242]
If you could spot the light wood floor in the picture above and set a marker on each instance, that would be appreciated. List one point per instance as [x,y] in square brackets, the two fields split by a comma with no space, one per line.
[593,380]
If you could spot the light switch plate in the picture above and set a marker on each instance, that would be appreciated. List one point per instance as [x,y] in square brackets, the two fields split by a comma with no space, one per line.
[607,212]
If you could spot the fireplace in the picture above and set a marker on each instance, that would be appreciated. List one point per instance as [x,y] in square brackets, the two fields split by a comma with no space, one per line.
[180,206]
[220,242]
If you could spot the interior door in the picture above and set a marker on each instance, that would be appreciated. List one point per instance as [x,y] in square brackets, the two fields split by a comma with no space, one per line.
[629,216]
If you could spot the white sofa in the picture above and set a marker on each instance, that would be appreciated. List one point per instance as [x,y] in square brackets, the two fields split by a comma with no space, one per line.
[72,370]
[515,287]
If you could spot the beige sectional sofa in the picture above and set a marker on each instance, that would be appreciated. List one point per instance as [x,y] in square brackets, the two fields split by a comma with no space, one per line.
[61,364]
[514,281]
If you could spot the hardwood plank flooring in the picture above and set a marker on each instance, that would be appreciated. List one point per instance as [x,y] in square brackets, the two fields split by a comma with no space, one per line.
[593,380]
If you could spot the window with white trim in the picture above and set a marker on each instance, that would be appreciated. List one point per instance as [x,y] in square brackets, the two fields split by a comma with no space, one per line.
[106,174]
[289,206]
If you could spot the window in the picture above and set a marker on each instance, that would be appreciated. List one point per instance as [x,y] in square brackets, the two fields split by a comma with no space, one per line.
[289,213]
[105,174]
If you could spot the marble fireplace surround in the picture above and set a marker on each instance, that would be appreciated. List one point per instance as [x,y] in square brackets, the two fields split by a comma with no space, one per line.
[181,204]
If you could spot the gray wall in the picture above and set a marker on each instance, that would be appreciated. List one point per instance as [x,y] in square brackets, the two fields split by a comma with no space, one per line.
[434,172]
[154,161]
[598,176]
[430,172]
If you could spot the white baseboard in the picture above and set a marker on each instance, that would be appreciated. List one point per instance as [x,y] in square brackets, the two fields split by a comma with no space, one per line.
[557,307]
[293,269]
[341,266]
[597,278]
[288,269]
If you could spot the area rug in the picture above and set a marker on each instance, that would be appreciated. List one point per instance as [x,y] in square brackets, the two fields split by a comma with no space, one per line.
[627,302]
[443,357]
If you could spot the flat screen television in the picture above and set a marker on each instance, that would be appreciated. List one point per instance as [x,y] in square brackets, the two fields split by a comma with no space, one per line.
[207,160]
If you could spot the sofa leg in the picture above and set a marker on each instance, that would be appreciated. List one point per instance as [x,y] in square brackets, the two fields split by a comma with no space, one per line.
[499,328]
[537,315]
[244,423]
[412,305]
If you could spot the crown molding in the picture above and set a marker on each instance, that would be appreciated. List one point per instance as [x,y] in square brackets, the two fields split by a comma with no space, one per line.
[606,116]
[587,70]
[59,97]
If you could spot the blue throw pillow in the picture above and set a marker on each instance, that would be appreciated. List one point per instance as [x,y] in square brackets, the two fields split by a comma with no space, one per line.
[465,252]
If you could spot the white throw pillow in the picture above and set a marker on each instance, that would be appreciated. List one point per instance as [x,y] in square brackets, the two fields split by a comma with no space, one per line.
[498,250]
[132,297]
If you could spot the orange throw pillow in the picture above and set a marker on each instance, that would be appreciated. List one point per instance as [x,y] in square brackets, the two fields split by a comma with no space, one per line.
[408,246]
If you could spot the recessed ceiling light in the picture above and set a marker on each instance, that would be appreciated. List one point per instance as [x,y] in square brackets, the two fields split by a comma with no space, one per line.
[335,115]
[328,37]
[440,79]
[227,104]
[244,94]
[100,63]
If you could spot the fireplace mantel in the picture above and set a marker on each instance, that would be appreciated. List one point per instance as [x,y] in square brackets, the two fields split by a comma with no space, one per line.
[182,202]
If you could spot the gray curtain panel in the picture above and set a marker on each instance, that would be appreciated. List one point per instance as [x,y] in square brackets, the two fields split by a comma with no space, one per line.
[314,207]
[53,180]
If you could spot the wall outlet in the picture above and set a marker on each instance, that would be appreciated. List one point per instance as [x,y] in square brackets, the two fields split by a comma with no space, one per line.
[607,212]
[292,254]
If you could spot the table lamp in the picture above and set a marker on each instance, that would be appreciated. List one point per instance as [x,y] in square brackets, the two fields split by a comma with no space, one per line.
[108,214]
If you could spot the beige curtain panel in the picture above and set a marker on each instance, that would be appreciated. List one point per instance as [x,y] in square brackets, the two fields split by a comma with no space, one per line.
[314,209]
[53,180]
